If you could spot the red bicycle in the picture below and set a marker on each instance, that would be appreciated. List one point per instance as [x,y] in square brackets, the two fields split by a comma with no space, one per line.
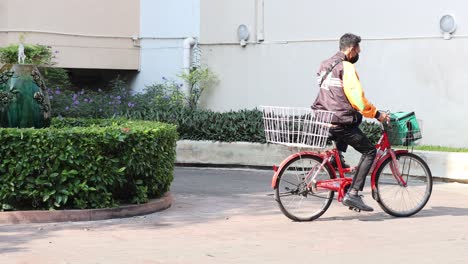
[305,182]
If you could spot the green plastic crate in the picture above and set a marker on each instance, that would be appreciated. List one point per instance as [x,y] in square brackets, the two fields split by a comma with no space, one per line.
[404,129]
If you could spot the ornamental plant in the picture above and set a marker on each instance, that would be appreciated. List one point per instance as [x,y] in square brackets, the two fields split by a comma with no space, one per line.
[85,163]
[35,54]
[165,102]
[99,103]
[199,79]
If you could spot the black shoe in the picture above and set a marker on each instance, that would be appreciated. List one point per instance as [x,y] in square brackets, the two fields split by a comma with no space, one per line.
[343,162]
[355,201]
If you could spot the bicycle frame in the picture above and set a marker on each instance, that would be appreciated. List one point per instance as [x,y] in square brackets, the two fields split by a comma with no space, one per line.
[340,184]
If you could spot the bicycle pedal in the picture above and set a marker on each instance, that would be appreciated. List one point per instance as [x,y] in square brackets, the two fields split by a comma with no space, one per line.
[355,209]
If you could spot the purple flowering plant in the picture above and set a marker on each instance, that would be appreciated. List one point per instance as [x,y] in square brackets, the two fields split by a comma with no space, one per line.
[92,104]
[163,101]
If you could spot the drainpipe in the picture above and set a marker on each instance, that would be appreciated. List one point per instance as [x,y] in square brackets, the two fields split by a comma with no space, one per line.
[260,20]
[189,43]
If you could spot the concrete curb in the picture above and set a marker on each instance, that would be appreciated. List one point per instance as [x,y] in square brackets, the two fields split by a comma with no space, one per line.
[25,217]
[446,166]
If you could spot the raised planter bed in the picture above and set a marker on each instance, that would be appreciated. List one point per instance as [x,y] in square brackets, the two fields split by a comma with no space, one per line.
[447,166]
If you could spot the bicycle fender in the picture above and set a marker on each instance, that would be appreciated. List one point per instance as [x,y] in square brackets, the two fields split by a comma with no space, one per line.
[286,161]
[379,163]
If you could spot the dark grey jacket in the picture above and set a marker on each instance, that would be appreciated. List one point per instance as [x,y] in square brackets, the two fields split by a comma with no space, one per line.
[331,96]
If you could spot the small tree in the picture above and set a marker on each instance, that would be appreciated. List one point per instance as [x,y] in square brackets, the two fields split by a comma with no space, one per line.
[198,79]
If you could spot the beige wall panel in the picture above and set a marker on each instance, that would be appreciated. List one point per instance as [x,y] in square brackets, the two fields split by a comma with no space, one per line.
[86,34]
[72,57]
[3,14]
[87,52]
[3,21]
[3,39]
[220,19]
[72,41]
[103,17]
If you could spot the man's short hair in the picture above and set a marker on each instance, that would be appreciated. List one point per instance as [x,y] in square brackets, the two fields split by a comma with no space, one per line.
[349,40]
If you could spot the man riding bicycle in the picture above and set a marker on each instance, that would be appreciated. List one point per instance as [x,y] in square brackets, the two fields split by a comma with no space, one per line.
[341,92]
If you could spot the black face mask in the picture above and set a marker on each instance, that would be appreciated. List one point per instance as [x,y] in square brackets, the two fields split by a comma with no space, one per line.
[354,59]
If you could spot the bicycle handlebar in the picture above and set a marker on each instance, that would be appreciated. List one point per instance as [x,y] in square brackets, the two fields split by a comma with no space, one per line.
[386,121]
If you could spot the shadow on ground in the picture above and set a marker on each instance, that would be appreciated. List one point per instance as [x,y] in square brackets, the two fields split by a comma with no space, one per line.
[381,216]
[200,196]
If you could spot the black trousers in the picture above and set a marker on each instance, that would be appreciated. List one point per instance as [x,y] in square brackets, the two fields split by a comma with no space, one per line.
[353,136]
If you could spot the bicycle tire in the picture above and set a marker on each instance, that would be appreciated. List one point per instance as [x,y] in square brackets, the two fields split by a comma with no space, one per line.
[419,181]
[296,168]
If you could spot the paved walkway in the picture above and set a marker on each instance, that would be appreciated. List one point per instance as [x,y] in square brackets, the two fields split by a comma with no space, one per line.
[228,216]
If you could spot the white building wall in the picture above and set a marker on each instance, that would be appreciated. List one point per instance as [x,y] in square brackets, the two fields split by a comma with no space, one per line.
[405,64]
[164,26]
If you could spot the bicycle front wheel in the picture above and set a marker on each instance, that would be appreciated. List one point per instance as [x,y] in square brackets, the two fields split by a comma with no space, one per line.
[397,199]
[295,200]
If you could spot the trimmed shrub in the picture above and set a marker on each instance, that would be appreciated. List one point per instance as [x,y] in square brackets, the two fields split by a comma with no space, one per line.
[79,163]
[55,77]
[371,130]
[165,103]
[242,125]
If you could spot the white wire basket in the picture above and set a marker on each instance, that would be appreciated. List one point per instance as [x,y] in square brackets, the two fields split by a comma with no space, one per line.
[296,127]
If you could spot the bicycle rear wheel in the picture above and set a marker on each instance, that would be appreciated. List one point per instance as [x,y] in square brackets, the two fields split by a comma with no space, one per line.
[399,200]
[294,199]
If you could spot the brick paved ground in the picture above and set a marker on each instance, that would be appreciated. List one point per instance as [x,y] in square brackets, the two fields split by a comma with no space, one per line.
[228,216]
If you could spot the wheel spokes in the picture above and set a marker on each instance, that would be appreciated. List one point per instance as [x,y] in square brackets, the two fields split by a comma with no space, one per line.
[408,199]
[297,200]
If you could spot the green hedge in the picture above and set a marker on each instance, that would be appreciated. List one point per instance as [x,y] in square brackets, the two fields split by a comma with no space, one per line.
[242,125]
[79,163]
[165,103]
[371,130]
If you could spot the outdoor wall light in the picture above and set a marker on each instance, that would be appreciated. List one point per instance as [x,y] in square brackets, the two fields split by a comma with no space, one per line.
[243,34]
[447,25]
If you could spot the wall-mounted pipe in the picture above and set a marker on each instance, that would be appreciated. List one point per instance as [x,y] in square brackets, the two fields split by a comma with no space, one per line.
[260,20]
[189,43]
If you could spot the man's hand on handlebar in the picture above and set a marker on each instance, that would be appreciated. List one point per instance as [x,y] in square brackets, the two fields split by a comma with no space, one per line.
[384,117]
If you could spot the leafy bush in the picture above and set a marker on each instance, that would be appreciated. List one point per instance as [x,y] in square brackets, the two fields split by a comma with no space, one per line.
[158,102]
[55,77]
[35,54]
[243,125]
[80,163]
[371,130]
[165,102]
[198,79]
[92,104]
